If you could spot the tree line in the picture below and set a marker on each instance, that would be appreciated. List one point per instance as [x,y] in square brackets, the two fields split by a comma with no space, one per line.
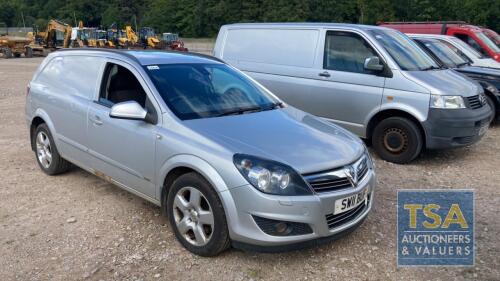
[202,18]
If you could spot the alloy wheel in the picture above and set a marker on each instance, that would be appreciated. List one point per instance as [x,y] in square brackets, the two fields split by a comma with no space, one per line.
[43,150]
[193,216]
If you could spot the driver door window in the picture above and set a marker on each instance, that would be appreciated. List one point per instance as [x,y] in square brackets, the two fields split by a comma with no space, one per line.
[120,85]
[345,51]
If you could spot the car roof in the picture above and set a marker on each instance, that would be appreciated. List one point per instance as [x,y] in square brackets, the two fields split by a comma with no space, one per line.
[146,57]
[307,24]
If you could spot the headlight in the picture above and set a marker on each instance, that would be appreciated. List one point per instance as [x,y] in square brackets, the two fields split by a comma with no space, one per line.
[447,102]
[371,164]
[270,176]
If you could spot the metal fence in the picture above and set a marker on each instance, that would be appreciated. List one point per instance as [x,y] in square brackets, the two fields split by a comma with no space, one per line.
[15,31]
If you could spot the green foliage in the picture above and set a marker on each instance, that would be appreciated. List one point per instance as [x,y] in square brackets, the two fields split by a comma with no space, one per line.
[202,18]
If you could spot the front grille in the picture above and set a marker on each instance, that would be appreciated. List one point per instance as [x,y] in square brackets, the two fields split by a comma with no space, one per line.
[474,102]
[337,179]
[330,185]
[334,221]
[293,228]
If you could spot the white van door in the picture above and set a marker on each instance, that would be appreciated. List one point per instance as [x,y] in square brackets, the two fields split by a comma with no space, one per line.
[345,92]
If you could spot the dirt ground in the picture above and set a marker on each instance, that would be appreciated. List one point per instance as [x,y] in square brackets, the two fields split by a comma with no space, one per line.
[77,227]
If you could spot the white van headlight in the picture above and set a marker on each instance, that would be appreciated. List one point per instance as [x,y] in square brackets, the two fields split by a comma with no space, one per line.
[447,102]
[270,176]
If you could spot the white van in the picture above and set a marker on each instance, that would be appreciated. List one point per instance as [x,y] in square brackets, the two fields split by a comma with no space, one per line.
[374,81]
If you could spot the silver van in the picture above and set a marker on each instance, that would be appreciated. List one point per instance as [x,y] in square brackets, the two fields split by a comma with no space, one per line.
[374,81]
[228,161]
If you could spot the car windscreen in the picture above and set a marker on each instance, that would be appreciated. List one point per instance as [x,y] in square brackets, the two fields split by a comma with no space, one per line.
[194,91]
[443,53]
[403,50]
[488,42]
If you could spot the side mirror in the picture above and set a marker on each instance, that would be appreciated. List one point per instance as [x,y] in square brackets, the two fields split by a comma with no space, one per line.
[373,63]
[128,110]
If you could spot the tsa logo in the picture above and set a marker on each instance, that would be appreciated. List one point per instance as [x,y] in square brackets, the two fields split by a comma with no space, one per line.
[435,228]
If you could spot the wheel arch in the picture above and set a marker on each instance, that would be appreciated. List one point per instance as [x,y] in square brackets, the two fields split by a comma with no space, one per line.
[384,114]
[181,164]
[40,116]
[491,91]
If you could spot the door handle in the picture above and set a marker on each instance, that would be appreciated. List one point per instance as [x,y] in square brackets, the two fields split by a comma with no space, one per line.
[324,74]
[97,121]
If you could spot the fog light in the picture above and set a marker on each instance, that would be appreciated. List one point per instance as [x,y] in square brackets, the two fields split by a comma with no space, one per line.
[281,228]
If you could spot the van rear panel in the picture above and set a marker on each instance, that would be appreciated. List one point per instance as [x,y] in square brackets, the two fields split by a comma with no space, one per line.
[286,47]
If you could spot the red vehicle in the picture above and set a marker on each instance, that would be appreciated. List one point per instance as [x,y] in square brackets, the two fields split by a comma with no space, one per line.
[473,35]
[492,35]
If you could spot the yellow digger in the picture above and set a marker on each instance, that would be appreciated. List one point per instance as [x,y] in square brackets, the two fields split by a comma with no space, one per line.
[118,38]
[148,38]
[57,35]
[132,37]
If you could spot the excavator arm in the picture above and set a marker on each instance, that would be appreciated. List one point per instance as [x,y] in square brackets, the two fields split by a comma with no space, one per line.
[55,25]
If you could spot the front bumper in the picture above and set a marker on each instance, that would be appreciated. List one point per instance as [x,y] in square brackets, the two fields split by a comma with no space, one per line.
[242,203]
[450,128]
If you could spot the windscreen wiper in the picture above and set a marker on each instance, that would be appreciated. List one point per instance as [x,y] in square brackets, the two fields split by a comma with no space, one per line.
[430,68]
[276,105]
[241,110]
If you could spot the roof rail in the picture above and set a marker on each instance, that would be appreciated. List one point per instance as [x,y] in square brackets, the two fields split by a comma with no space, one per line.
[422,22]
[114,51]
[128,55]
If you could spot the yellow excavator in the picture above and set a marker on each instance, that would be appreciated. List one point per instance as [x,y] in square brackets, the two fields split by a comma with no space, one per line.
[119,38]
[132,37]
[57,35]
[149,39]
[83,37]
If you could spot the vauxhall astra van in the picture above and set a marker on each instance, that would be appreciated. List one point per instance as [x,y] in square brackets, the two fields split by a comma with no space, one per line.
[374,81]
[228,161]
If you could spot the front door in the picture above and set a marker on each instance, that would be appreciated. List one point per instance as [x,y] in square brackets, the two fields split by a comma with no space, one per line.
[123,150]
[345,92]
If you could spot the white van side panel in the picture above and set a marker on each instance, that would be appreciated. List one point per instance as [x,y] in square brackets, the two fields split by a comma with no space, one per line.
[287,47]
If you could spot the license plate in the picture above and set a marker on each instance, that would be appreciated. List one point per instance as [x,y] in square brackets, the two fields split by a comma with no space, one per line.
[483,130]
[350,202]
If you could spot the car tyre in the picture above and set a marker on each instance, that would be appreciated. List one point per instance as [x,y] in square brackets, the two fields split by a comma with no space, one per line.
[7,53]
[490,102]
[46,153]
[196,215]
[28,52]
[397,140]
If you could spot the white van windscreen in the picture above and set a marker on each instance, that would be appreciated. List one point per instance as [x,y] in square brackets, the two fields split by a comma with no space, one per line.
[292,47]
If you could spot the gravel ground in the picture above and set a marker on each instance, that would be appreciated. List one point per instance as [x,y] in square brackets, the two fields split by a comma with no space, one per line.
[78,227]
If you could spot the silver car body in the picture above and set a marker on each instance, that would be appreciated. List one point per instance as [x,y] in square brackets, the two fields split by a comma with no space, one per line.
[139,156]
[476,58]
[287,58]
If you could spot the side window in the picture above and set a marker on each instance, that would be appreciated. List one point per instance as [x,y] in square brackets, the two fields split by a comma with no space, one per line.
[72,75]
[120,85]
[51,71]
[345,51]
[471,42]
